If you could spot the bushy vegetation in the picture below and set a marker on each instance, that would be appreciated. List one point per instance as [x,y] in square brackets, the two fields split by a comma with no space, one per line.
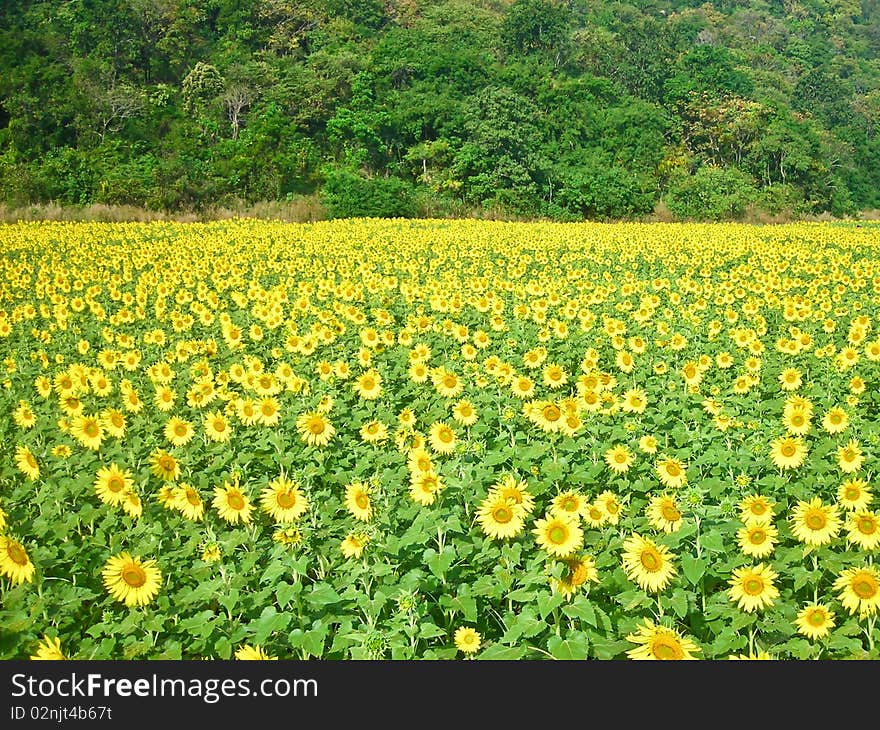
[563,109]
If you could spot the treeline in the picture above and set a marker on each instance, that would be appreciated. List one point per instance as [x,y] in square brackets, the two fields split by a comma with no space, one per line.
[564,109]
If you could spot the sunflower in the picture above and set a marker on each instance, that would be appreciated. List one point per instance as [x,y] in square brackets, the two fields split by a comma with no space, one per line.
[618,458]
[854,494]
[610,505]
[188,502]
[211,553]
[368,385]
[88,431]
[671,473]
[132,505]
[568,504]
[815,621]
[578,573]
[130,580]
[374,432]
[113,422]
[647,563]
[178,431]
[15,563]
[850,457]
[112,484]
[757,540]
[863,529]
[594,515]
[464,413]
[246,652]
[26,462]
[419,461]
[164,466]
[283,500]
[648,444]
[752,587]
[559,536]
[835,420]
[500,518]
[663,513]
[424,487]
[232,504]
[659,642]
[269,411]
[756,509]
[49,649]
[357,501]
[796,421]
[442,438]
[447,384]
[467,640]
[217,427]
[787,452]
[859,590]
[315,429]
[354,543]
[516,491]
[814,523]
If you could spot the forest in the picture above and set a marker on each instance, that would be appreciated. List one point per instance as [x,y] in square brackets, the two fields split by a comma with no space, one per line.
[555,109]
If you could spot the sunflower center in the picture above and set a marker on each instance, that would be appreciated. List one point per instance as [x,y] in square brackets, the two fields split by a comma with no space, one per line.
[620,457]
[815,521]
[449,381]
[650,560]
[286,499]
[852,493]
[368,383]
[758,508]
[866,526]
[236,501]
[865,588]
[664,647]
[670,513]
[552,413]
[116,484]
[445,435]
[134,576]
[788,450]
[268,409]
[673,470]
[180,430]
[816,618]
[753,586]
[362,501]
[219,425]
[316,426]
[757,537]
[91,429]
[569,504]
[167,463]
[192,498]
[16,553]
[558,534]
[503,515]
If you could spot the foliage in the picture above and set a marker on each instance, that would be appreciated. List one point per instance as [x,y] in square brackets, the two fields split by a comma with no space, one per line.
[184,105]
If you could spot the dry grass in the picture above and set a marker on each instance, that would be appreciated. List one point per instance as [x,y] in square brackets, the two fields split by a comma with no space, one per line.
[298,210]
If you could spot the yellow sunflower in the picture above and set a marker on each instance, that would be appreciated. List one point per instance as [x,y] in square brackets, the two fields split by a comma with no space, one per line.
[112,484]
[232,504]
[49,649]
[859,590]
[559,536]
[283,500]
[500,518]
[315,429]
[814,523]
[358,502]
[815,621]
[647,563]
[130,580]
[752,587]
[15,563]
[654,641]
[787,452]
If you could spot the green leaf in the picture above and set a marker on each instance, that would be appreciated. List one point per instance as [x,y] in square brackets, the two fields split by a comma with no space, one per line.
[569,648]
[497,651]
[693,568]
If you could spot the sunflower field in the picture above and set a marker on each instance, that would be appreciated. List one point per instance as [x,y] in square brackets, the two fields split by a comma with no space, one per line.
[439,439]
